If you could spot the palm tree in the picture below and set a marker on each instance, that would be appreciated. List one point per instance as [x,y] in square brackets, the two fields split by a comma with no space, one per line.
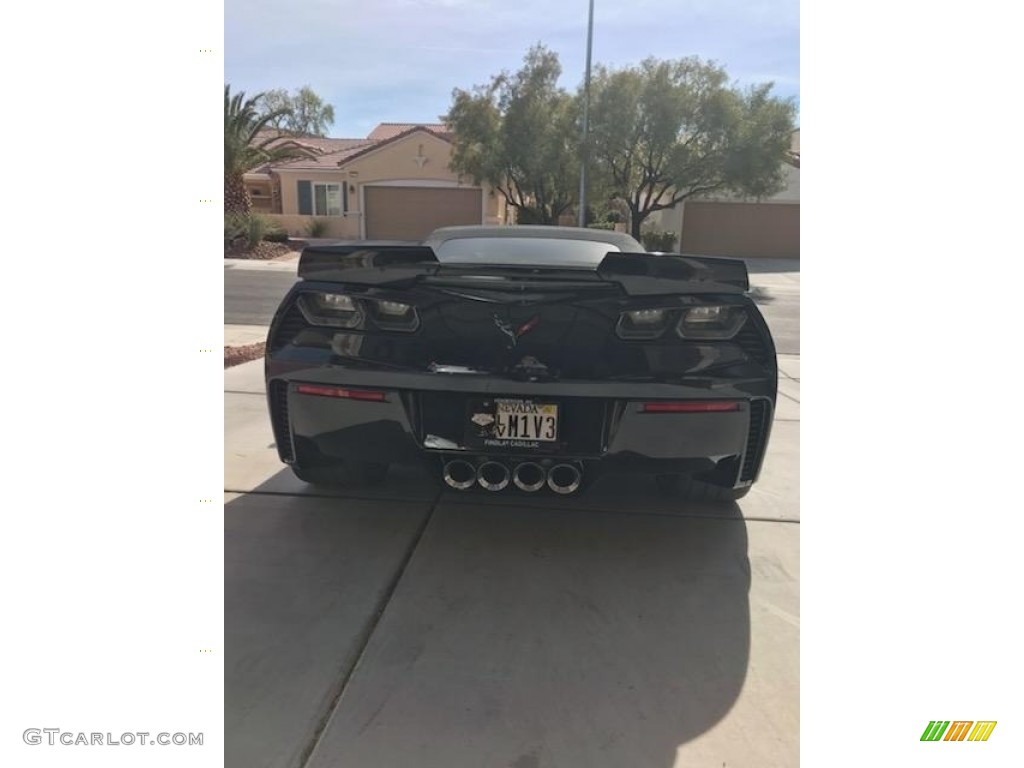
[244,148]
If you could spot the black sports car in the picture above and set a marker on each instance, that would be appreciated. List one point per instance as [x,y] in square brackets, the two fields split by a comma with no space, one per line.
[530,358]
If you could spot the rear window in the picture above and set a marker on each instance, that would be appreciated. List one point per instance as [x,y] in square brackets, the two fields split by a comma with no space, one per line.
[524,251]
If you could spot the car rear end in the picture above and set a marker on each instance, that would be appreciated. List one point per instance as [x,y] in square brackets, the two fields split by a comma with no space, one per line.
[518,377]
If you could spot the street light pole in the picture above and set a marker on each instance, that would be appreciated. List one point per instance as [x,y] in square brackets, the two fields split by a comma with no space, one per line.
[585,148]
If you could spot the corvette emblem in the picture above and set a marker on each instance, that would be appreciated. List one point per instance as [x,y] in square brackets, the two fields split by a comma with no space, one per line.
[514,333]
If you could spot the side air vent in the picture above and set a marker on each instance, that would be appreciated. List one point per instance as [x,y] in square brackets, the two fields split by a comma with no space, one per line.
[279,420]
[757,437]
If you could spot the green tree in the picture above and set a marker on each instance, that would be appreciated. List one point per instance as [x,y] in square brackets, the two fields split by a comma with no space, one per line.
[247,146]
[302,113]
[664,131]
[276,105]
[519,133]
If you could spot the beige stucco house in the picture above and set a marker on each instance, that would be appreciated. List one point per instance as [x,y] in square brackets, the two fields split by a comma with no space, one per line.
[393,185]
[730,226]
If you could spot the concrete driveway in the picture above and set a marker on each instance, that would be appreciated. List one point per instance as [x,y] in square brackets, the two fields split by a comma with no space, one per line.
[407,625]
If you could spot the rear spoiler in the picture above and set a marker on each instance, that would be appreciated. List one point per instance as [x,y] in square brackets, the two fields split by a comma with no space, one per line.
[646,273]
[367,263]
[404,264]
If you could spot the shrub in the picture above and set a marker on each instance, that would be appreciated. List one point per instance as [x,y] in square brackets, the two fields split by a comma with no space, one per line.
[276,234]
[257,227]
[316,228]
[605,225]
[236,227]
[655,241]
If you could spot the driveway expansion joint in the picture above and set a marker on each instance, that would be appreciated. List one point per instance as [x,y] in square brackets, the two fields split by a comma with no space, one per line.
[364,640]
[789,397]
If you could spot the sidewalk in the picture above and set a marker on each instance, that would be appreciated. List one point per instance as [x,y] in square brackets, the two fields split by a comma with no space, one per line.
[286,263]
[240,335]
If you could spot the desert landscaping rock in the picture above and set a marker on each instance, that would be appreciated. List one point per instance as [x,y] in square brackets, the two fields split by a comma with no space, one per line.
[243,354]
[264,250]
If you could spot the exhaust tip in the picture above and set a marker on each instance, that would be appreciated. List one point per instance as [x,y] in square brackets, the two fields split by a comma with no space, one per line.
[564,478]
[529,477]
[493,476]
[459,474]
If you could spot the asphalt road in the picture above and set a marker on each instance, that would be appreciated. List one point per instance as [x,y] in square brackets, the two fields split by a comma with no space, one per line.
[251,296]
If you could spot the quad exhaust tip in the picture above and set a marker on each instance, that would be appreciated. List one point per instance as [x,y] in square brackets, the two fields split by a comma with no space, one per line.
[493,476]
[564,478]
[529,477]
[459,474]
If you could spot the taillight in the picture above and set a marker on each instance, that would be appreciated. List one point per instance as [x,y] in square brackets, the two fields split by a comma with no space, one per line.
[348,394]
[339,310]
[691,406]
[394,315]
[642,323]
[710,321]
[335,310]
[697,322]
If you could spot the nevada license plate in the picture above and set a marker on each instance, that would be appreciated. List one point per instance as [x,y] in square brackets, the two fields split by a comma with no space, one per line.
[504,421]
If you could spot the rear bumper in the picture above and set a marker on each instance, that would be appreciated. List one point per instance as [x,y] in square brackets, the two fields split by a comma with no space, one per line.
[423,417]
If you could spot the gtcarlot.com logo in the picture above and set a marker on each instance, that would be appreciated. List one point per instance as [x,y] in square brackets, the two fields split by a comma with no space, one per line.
[958,730]
[54,736]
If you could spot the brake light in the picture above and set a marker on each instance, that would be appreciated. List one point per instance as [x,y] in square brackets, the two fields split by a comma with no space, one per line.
[692,406]
[349,394]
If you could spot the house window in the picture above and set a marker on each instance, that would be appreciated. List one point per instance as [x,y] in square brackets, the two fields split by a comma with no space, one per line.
[330,199]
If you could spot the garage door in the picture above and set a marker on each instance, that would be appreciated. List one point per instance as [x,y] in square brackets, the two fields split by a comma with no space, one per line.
[747,230]
[411,213]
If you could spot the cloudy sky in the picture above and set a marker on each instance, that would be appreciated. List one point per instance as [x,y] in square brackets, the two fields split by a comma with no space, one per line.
[398,60]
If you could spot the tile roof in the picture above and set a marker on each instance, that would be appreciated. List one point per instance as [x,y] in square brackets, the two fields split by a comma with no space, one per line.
[327,152]
[327,145]
[332,153]
[390,130]
[410,129]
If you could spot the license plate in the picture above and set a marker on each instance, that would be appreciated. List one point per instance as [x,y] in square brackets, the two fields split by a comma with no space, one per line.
[526,420]
[514,422]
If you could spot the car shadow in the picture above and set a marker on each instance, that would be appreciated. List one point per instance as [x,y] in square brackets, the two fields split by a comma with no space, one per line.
[554,632]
